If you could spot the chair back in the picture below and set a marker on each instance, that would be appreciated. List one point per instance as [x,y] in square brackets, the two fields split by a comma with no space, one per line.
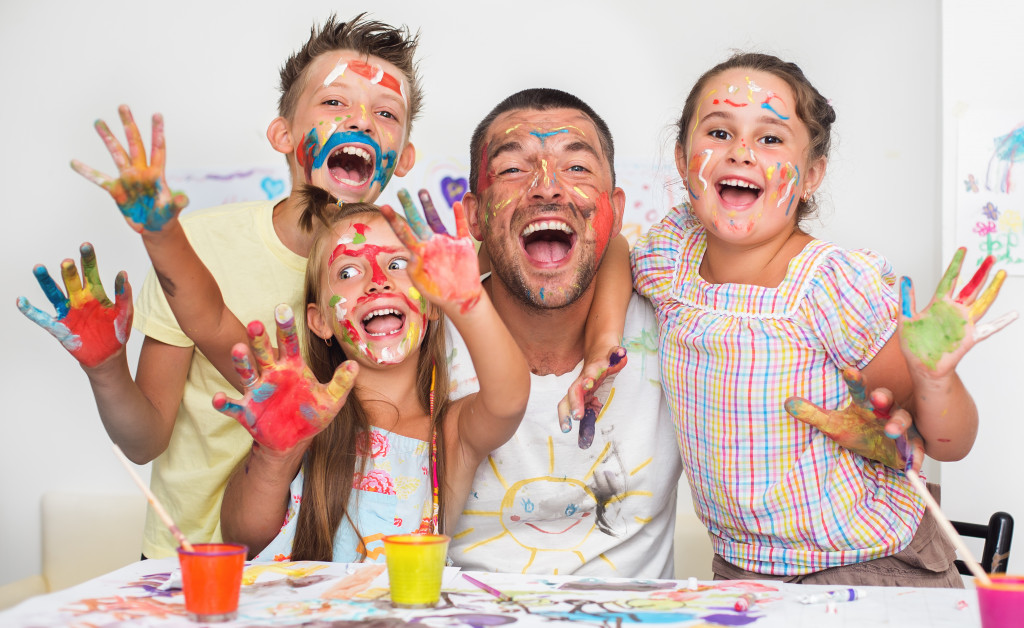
[997,534]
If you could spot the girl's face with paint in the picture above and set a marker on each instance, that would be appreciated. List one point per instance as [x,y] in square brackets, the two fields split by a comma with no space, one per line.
[350,129]
[745,162]
[372,307]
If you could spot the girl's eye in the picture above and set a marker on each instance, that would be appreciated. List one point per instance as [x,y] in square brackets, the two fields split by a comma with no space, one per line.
[399,263]
[348,272]
[719,134]
[333,102]
[771,139]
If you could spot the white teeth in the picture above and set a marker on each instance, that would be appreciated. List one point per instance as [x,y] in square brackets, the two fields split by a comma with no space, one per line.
[384,312]
[358,152]
[547,225]
[738,183]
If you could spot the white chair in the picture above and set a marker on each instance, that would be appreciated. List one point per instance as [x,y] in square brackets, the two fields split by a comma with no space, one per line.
[84,535]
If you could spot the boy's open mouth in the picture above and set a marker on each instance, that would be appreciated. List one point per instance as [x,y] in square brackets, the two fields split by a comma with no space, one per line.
[737,193]
[383,322]
[351,164]
[548,241]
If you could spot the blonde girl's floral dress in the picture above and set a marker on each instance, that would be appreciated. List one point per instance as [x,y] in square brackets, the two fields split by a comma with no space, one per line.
[392,495]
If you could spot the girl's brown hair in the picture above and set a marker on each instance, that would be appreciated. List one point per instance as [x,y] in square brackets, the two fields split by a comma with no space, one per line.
[331,461]
[812,108]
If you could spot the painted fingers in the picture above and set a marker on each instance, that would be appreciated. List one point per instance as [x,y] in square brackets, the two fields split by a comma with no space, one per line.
[581,402]
[86,322]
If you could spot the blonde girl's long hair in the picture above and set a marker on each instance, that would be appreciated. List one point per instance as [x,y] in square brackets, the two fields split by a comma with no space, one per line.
[333,457]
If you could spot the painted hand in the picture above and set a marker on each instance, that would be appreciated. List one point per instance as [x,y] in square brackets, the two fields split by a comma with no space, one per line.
[284,404]
[89,326]
[934,339]
[443,268]
[581,402]
[869,426]
[141,190]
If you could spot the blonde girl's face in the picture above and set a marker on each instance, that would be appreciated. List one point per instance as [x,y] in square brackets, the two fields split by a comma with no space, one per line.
[372,307]
[745,162]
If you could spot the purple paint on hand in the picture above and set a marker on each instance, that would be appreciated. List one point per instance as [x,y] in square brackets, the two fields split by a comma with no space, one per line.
[588,427]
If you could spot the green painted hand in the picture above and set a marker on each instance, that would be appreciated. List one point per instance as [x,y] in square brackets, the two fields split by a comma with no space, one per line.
[936,338]
[868,426]
[141,191]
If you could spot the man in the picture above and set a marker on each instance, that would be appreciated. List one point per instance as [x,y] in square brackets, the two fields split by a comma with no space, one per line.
[544,203]
[348,98]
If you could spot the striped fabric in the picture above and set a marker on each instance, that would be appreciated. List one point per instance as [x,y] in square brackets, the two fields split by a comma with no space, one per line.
[778,496]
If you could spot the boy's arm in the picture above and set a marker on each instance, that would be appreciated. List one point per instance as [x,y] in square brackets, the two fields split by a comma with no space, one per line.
[151,209]
[603,357]
[137,414]
[445,271]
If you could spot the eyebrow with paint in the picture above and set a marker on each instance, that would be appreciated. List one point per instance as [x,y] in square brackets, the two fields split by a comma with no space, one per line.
[728,115]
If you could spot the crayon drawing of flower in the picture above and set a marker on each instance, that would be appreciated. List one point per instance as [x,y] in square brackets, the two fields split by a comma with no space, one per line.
[1010,221]
[984,227]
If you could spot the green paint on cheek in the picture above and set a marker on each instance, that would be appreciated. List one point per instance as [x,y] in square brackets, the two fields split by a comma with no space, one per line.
[936,335]
[334,300]
[358,239]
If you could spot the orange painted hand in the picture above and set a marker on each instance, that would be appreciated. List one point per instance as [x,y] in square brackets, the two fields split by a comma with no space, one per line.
[581,402]
[443,268]
[869,426]
[284,403]
[87,324]
[141,190]
[936,338]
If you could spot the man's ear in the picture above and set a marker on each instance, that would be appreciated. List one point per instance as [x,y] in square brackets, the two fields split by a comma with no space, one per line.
[316,322]
[406,160]
[470,205]
[280,137]
[619,207]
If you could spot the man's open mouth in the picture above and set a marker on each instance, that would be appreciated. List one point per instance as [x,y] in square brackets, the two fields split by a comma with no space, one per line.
[548,241]
[383,322]
[351,165]
[737,193]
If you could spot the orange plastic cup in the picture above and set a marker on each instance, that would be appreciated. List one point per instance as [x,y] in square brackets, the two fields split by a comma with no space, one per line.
[415,566]
[211,577]
[1002,602]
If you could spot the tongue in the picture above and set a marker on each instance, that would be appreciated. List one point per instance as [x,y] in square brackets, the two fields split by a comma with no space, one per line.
[547,250]
[348,176]
[383,324]
[738,196]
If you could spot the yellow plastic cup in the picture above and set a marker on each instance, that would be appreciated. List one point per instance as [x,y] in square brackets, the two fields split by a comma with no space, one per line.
[415,566]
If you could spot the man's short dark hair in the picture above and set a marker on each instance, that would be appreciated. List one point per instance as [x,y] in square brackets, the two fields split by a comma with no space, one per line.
[540,98]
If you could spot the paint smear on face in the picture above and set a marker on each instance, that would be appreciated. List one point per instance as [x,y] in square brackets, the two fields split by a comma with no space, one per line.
[372,73]
[483,179]
[791,175]
[697,164]
[767,105]
[752,88]
[602,222]
[542,136]
[312,154]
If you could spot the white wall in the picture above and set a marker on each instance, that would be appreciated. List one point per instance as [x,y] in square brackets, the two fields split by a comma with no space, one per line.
[980,71]
[210,67]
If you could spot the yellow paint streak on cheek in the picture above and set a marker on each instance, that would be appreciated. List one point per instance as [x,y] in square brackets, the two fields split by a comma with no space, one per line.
[362,108]
[414,294]
[769,173]
[581,193]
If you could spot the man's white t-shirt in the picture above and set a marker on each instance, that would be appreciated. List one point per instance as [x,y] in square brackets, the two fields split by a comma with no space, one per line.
[540,504]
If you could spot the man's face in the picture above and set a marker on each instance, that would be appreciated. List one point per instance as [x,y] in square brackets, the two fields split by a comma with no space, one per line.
[545,206]
[349,132]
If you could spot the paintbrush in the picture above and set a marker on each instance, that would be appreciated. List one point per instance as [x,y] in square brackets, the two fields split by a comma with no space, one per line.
[948,528]
[154,502]
[488,588]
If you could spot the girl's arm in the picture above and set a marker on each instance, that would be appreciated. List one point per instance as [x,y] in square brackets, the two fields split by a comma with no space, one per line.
[139,416]
[444,270]
[149,207]
[603,356]
[283,408]
[932,342]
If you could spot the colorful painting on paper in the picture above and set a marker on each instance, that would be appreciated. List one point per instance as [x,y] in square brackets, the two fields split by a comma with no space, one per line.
[990,188]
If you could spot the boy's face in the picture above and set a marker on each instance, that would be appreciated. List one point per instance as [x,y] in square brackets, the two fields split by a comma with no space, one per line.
[350,130]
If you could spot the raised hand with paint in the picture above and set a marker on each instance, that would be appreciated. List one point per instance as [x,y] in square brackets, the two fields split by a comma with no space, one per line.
[371,302]
[760,318]
[141,190]
[86,322]
[284,403]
